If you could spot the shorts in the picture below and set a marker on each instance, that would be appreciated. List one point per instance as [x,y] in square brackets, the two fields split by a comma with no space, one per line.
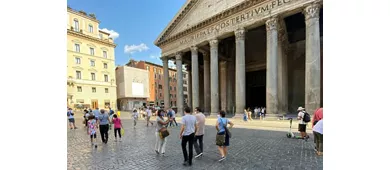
[71,120]
[302,128]
[93,136]
[226,138]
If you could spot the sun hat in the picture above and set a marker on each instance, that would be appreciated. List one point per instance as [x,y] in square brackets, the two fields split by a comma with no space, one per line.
[300,108]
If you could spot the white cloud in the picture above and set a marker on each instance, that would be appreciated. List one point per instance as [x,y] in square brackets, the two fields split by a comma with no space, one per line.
[113,34]
[154,56]
[129,49]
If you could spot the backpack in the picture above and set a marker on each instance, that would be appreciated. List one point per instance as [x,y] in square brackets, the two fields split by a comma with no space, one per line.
[306,117]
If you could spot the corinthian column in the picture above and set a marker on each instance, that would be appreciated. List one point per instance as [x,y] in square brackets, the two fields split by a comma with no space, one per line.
[179,92]
[214,77]
[189,86]
[223,82]
[282,68]
[195,76]
[240,72]
[272,66]
[313,60]
[206,72]
[166,82]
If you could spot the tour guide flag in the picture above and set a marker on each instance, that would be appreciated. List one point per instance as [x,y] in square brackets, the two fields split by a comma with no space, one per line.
[118,113]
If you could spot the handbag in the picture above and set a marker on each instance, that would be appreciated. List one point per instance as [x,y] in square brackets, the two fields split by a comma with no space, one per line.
[122,131]
[227,130]
[163,132]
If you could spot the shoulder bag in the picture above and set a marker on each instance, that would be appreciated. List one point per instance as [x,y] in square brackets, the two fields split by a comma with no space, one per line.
[163,132]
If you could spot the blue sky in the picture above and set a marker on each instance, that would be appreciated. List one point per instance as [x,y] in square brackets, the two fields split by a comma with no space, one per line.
[138,24]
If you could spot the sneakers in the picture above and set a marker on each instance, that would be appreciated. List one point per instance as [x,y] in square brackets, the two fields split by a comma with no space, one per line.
[223,158]
[115,140]
[95,145]
[185,163]
[199,155]
[157,152]
[120,139]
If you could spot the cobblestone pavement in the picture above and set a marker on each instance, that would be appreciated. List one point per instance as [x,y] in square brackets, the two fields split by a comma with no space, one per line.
[249,149]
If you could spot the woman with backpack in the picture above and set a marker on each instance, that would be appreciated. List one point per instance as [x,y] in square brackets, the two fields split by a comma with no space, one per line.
[223,134]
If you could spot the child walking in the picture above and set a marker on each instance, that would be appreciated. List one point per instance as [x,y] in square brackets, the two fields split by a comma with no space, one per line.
[135,116]
[117,127]
[92,126]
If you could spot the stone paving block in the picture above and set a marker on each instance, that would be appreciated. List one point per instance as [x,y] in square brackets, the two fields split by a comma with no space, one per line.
[249,149]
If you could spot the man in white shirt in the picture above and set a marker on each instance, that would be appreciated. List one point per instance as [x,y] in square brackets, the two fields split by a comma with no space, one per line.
[302,124]
[187,134]
[200,122]
[148,114]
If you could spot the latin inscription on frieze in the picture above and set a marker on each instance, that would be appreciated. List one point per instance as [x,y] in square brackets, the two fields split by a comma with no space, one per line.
[247,15]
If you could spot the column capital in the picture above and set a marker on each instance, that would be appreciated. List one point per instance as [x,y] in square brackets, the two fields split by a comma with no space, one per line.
[213,43]
[194,49]
[271,24]
[164,58]
[178,55]
[206,55]
[240,34]
[312,11]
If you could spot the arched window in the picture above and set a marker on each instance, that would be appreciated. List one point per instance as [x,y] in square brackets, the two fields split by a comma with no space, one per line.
[90,28]
[76,25]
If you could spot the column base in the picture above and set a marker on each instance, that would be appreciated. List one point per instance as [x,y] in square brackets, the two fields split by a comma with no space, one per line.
[238,116]
[273,117]
[213,115]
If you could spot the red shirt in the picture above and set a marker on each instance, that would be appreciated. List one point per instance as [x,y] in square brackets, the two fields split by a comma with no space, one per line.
[317,115]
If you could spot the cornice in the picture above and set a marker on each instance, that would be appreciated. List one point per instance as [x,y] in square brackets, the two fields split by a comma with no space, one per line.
[218,17]
[177,19]
[82,15]
[81,35]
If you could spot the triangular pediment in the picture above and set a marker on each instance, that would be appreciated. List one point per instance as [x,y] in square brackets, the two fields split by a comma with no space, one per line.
[194,12]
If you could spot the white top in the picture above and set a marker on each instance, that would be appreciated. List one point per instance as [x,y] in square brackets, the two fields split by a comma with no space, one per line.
[149,112]
[173,114]
[189,121]
[318,127]
[301,114]
[135,115]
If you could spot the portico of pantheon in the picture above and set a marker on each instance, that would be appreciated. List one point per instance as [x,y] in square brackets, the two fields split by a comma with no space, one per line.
[246,53]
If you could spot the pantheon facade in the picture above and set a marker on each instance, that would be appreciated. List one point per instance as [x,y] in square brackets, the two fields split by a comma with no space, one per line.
[246,53]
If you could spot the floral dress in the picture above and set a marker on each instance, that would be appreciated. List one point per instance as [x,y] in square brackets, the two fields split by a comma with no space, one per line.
[92,127]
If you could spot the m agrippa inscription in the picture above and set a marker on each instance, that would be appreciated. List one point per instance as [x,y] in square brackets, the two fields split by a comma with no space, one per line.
[263,9]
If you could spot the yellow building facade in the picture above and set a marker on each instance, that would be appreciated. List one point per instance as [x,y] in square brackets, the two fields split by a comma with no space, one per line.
[90,63]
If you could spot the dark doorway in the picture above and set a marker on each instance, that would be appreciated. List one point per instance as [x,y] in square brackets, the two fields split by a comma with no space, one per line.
[255,89]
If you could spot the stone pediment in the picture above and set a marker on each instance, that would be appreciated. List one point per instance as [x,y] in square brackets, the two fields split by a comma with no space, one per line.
[193,12]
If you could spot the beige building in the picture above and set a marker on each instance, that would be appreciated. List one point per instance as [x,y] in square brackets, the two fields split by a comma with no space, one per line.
[132,87]
[247,53]
[91,63]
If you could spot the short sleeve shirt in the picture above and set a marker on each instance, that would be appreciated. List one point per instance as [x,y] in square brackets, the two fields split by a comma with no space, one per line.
[103,119]
[200,119]
[159,126]
[301,114]
[189,121]
[173,114]
[221,123]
